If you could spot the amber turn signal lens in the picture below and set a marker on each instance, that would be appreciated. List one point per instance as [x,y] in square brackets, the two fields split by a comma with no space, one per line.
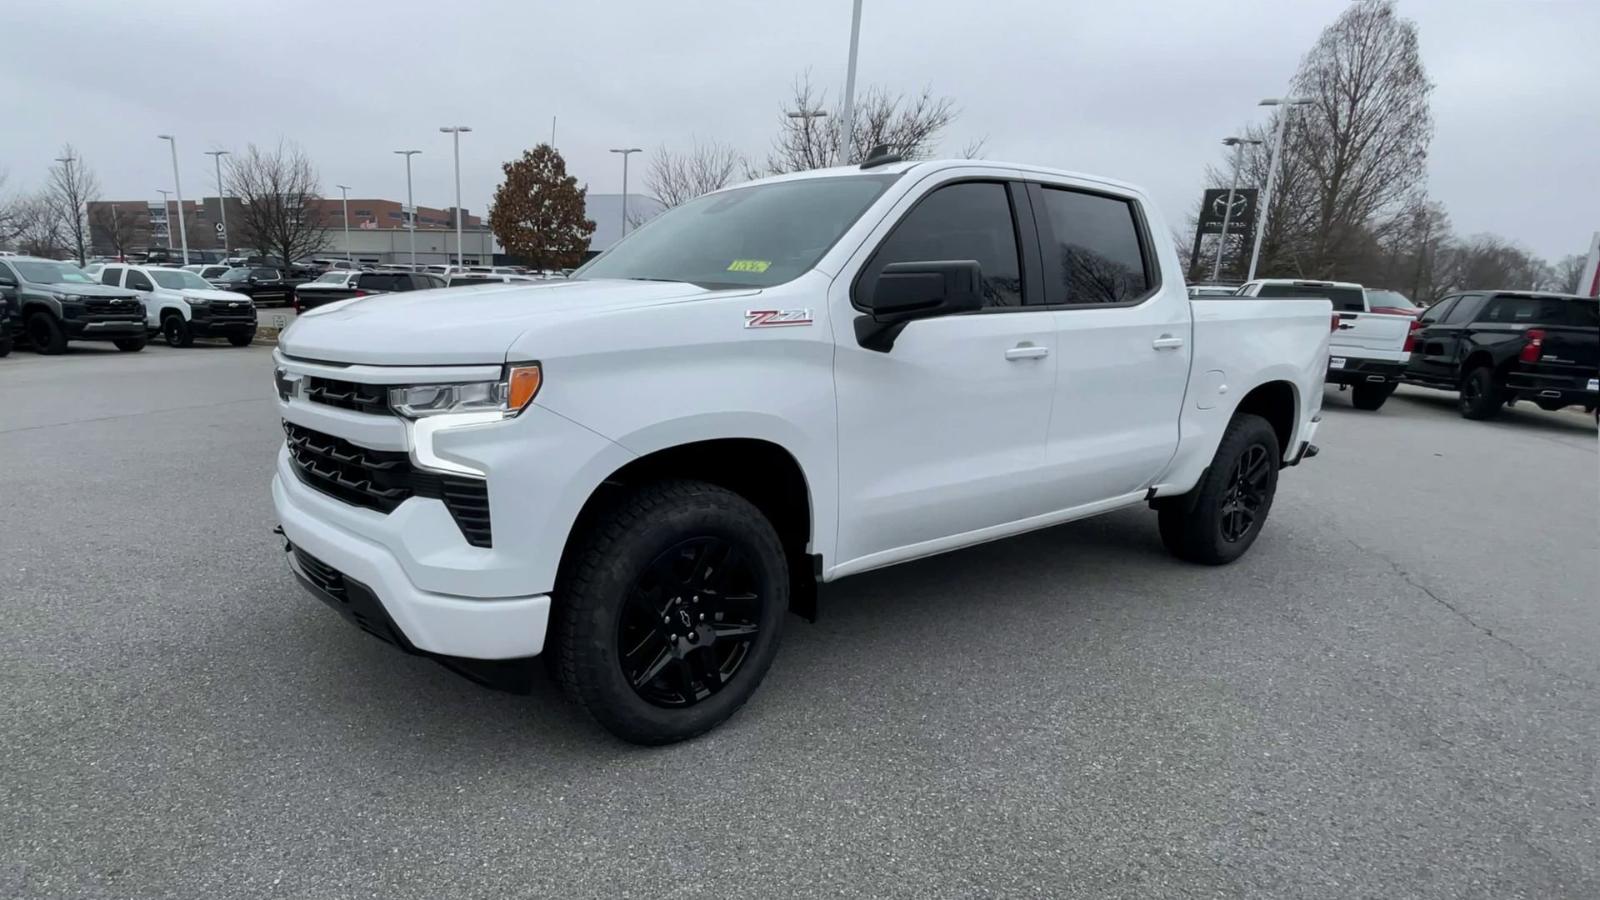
[523,387]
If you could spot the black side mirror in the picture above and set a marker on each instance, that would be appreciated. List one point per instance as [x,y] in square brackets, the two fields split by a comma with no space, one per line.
[905,292]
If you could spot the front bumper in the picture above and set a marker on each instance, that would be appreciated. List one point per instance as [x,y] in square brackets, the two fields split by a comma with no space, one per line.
[209,323]
[1355,370]
[104,329]
[435,623]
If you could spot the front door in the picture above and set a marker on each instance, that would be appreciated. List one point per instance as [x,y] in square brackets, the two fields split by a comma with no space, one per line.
[944,434]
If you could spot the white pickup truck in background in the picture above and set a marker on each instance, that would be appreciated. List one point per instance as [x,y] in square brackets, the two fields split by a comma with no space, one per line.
[640,470]
[1368,351]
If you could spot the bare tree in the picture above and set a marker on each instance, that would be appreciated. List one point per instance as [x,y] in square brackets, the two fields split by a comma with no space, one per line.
[38,227]
[114,227]
[10,213]
[70,188]
[909,125]
[1353,158]
[675,178]
[1567,271]
[279,196]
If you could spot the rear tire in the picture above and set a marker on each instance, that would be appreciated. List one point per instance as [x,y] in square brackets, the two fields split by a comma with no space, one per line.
[176,331]
[1216,523]
[45,334]
[242,340]
[5,346]
[130,345]
[1481,394]
[1371,396]
[674,559]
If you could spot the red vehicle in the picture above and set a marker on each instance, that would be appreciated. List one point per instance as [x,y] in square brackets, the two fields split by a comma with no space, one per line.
[1391,303]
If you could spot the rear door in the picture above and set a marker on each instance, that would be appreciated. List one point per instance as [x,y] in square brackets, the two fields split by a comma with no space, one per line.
[1122,339]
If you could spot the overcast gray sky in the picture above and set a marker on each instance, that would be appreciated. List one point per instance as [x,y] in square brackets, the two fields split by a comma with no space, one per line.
[1140,90]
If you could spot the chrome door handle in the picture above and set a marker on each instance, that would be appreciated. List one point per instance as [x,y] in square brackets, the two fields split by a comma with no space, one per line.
[1027,351]
[1167,342]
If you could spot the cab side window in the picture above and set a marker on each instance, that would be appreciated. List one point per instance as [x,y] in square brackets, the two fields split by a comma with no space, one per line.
[1437,311]
[111,275]
[1465,309]
[1093,251]
[970,220]
[137,281]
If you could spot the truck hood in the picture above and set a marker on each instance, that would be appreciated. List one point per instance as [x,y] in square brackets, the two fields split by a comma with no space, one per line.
[461,326]
[90,290]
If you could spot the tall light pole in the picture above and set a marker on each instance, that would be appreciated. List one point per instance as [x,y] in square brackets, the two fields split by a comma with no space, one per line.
[344,194]
[77,218]
[625,152]
[165,199]
[847,132]
[222,200]
[1288,103]
[1237,143]
[177,188]
[411,219]
[455,131]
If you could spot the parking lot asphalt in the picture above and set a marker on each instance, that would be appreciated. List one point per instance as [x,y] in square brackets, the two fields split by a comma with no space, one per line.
[1395,693]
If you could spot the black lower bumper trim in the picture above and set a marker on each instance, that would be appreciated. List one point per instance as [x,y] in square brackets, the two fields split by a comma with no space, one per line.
[1365,371]
[360,606]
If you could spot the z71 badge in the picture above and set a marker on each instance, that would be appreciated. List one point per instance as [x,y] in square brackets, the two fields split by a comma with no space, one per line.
[776,318]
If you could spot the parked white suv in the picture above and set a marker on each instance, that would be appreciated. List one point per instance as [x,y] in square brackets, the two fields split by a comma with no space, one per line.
[641,469]
[1368,351]
[183,306]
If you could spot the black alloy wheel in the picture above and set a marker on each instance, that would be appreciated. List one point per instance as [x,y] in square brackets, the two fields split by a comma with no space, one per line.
[1245,493]
[689,622]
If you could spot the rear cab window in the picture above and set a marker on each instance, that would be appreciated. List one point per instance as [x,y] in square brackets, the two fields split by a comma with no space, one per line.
[1511,310]
[1344,299]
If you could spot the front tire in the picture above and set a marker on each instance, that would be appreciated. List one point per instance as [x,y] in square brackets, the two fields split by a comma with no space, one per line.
[1481,394]
[1218,521]
[130,345]
[45,334]
[1371,396]
[177,331]
[670,611]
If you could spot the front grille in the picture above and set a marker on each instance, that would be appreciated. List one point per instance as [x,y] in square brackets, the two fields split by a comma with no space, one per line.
[383,479]
[367,398]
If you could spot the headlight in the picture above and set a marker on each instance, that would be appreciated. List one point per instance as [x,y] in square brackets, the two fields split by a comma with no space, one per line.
[508,397]
[196,301]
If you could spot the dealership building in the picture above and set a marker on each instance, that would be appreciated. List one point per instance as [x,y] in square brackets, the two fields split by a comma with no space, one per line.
[377,232]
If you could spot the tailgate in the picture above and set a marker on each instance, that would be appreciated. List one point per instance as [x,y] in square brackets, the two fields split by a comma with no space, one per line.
[1569,350]
[1371,336]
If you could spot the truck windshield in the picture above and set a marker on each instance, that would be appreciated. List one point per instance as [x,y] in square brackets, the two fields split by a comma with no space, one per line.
[52,273]
[756,236]
[178,279]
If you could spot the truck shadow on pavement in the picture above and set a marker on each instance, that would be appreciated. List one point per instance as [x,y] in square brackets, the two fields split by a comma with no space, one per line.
[1572,420]
[868,627]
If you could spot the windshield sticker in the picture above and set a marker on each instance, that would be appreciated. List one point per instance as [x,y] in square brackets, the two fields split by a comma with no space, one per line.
[749,265]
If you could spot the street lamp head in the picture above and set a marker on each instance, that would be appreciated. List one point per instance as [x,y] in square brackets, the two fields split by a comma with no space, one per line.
[219,153]
[164,137]
[809,114]
[1285,101]
[447,129]
[1236,141]
[407,152]
[626,150]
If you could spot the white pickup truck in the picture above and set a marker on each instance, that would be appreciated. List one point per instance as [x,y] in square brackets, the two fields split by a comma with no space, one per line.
[639,470]
[1368,351]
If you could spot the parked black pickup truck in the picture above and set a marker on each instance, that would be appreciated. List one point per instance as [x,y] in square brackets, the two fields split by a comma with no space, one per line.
[1501,346]
[265,285]
[344,285]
